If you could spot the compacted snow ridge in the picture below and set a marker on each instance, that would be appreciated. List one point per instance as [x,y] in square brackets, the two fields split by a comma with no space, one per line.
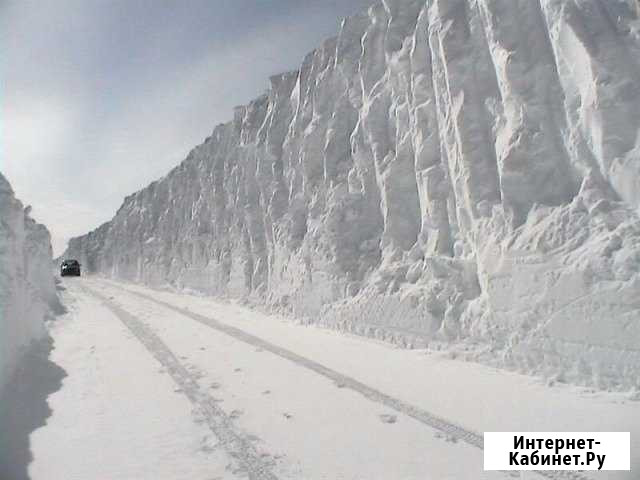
[457,174]
[27,288]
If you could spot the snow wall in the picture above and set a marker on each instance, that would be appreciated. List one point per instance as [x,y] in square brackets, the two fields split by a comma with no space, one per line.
[462,174]
[27,289]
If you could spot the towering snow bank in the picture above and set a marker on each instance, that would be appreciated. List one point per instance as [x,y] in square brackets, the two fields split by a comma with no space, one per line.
[450,171]
[27,289]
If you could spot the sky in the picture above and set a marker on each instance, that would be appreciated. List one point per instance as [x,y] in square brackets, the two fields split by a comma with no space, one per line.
[100,97]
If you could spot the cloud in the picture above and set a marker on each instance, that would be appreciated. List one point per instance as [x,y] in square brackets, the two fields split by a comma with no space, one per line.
[33,128]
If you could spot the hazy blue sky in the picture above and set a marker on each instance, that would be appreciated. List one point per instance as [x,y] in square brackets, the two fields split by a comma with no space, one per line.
[98,98]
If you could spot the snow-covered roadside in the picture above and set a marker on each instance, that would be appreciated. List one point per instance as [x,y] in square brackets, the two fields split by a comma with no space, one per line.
[27,287]
[471,395]
[119,399]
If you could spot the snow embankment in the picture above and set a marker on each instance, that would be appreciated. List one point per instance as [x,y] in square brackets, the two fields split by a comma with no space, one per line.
[27,286]
[451,172]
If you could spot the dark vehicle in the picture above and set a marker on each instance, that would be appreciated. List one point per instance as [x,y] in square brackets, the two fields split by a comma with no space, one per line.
[70,267]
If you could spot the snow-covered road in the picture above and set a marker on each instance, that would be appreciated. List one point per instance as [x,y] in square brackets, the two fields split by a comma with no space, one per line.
[163,385]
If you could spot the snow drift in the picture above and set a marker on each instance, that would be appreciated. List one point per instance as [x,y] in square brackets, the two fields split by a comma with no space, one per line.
[27,288]
[448,172]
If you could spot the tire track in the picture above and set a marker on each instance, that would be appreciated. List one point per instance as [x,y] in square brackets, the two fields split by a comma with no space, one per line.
[438,423]
[236,443]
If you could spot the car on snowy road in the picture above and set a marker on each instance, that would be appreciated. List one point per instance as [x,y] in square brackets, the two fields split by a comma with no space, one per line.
[70,267]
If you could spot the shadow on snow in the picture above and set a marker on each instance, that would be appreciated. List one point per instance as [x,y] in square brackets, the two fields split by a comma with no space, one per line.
[24,408]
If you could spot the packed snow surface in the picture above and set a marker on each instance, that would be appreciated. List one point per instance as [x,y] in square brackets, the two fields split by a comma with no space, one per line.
[27,289]
[170,386]
[463,174]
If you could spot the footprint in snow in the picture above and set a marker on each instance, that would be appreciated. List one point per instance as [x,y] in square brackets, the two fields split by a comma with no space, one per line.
[386,418]
[207,449]
[447,437]
[266,392]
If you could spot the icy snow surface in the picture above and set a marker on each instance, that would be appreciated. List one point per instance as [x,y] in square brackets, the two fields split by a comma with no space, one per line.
[463,174]
[198,381]
[27,289]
